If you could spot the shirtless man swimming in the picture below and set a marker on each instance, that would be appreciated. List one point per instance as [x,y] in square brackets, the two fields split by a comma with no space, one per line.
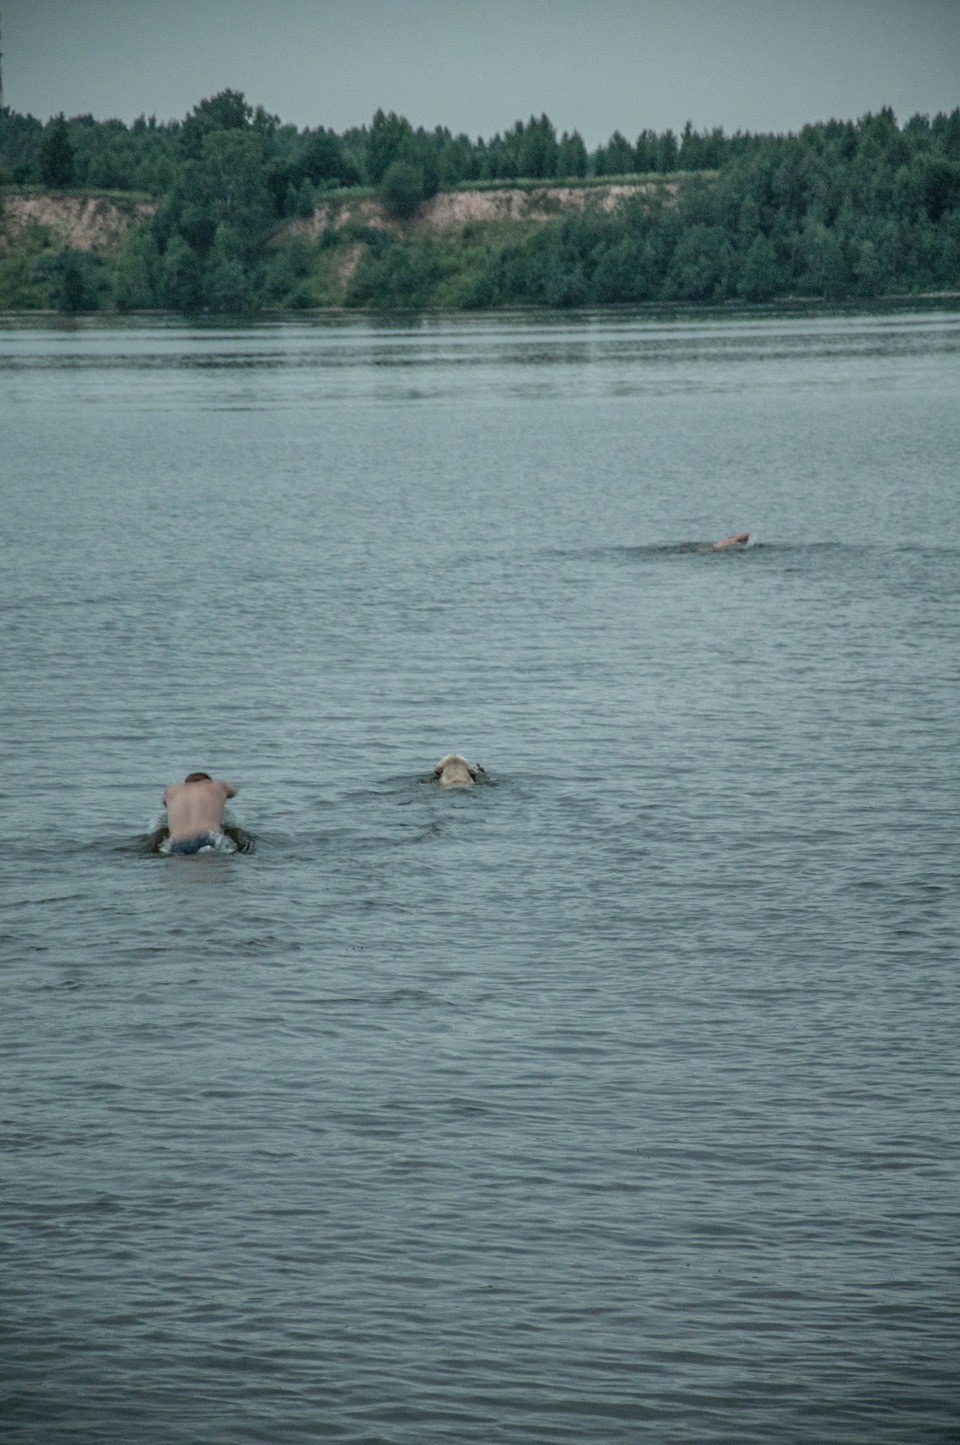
[195,812]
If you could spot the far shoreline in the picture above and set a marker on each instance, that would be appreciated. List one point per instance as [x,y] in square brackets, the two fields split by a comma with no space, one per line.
[788,305]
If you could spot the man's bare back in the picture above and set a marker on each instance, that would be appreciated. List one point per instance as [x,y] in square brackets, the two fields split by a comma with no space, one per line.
[195,806]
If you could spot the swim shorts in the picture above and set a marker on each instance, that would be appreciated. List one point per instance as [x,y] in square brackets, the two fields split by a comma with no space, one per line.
[196,844]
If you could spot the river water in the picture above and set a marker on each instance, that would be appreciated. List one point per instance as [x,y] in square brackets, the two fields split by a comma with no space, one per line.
[612,1100]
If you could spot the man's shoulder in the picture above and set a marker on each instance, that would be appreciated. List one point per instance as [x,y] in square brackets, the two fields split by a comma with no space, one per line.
[214,786]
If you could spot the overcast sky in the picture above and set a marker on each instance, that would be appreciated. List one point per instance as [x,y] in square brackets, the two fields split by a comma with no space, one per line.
[479,65]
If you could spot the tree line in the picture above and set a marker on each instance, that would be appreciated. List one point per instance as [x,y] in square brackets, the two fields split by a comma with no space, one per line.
[840,210]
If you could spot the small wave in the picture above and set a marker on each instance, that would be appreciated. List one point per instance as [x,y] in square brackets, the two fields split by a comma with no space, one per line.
[655,551]
[232,839]
[219,843]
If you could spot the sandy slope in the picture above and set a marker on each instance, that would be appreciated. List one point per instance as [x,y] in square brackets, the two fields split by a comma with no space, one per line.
[86,223]
[98,223]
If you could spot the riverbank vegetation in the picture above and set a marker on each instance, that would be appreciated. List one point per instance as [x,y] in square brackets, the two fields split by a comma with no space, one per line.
[231,211]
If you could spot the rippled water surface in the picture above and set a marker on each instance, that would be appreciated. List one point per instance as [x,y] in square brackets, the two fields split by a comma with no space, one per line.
[612,1100]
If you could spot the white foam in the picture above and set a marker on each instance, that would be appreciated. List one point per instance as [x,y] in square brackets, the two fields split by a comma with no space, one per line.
[219,843]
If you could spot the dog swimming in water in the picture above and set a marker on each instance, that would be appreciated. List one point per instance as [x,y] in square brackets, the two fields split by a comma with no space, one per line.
[453,771]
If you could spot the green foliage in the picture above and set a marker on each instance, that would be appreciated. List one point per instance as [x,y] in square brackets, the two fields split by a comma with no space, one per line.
[136,273]
[22,286]
[572,158]
[759,272]
[623,273]
[179,279]
[227,285]
[325,162]
[401,190]
[75,291]
[616,158]
[68,279]
[938,184]
[841,210]
[227,111]
[667,152]
[646,151]
[55,158]
[278,279]
[400,277]
[226,186]
[536,149]
[389,140]
[302,201]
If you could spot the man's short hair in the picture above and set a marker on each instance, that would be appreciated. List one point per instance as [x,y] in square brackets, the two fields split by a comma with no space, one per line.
[198,778]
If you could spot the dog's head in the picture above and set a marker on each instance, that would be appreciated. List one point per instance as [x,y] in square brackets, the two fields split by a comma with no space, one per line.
[455,772]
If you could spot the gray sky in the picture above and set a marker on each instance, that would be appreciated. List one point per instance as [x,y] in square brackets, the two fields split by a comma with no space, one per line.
[479,65]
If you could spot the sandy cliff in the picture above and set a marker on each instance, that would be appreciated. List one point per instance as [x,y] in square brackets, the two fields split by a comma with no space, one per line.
[451,210]
[86,223]
[98,223]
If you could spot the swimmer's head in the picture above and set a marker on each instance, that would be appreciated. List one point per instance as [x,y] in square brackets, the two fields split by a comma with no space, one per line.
[455,772]
[198,778]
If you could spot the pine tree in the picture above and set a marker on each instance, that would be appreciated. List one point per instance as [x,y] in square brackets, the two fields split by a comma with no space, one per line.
[56,154]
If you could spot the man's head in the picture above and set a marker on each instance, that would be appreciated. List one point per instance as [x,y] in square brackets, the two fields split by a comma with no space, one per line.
[198,778]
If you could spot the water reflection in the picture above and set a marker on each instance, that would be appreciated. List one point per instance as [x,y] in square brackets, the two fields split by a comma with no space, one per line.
[488,351]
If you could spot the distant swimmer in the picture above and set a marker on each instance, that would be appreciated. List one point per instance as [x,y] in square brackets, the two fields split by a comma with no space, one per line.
[453,771]
[195,813]
[740,540]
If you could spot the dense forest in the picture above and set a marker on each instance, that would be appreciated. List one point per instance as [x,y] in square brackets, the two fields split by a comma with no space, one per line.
[843,210]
